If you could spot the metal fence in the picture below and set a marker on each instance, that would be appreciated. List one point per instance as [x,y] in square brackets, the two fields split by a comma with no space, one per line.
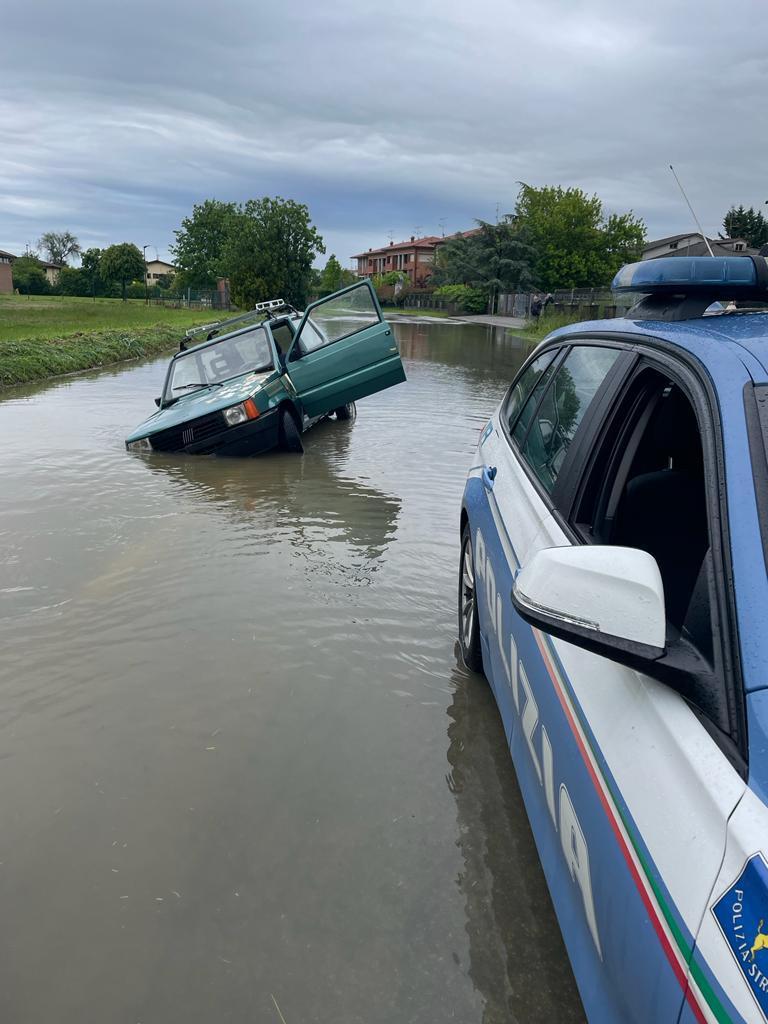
[191,299]
[579,303]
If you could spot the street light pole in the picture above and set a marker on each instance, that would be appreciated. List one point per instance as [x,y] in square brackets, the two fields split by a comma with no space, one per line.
[146,283]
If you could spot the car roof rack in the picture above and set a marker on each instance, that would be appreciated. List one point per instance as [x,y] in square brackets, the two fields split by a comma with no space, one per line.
[266,310]
[684,287]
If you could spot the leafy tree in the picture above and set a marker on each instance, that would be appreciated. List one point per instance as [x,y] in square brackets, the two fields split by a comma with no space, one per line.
[90,262]
[121,264]
[496,258]
[269,251]
[72,281]
[749,224]
[59,246]
[29,277]
[334,277]
[200,242]
[576,246]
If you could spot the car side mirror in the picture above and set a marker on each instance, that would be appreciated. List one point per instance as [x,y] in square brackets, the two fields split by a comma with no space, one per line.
[158,402]
[608,600]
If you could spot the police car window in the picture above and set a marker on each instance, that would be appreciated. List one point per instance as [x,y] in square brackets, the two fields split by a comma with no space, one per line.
[524,385]
[520,429]
[562,409]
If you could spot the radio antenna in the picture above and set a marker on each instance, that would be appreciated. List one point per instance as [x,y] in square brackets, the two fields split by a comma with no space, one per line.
[696,219]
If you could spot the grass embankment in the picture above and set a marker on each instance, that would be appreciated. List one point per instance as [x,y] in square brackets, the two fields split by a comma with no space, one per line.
[544,326]
[411,311]
[44,336]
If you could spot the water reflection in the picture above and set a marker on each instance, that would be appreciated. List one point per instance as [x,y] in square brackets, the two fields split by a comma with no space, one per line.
[516,956]
[306,502]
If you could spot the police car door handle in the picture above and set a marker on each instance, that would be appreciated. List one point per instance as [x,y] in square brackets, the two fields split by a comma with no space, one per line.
[489,475]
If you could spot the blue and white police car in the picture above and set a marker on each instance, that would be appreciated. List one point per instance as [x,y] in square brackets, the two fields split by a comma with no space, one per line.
[613,589]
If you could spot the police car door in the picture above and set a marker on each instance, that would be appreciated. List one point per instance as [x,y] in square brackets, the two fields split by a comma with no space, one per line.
[628,792]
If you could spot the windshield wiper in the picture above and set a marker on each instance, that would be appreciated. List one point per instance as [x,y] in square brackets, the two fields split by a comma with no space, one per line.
[197,384]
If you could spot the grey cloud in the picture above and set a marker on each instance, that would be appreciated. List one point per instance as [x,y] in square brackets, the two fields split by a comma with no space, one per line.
[114,120]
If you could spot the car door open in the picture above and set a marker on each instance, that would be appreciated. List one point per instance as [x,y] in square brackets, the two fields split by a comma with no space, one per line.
[343,351]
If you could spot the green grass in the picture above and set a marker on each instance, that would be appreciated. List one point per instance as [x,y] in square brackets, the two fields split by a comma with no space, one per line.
[44,336]
[37,358]
[56,316]
[544,326]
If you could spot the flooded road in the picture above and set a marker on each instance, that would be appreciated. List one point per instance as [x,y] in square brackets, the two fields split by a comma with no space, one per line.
[243,776]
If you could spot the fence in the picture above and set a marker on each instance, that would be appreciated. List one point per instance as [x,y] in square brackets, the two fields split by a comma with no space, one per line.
[579,303]
[216,298]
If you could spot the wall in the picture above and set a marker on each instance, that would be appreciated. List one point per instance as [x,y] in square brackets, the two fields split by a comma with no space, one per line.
[6,279]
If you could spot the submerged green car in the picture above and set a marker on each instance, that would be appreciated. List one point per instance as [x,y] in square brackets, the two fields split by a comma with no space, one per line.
[262,385]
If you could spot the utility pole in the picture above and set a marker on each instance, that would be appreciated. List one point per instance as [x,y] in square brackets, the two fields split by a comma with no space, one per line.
[146,283]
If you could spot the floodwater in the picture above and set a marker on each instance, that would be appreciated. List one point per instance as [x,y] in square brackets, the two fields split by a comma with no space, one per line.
[243,774]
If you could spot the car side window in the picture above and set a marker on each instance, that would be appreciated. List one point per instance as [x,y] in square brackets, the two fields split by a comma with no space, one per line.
[338,316]
[524,385]
[559,413]
[647,487]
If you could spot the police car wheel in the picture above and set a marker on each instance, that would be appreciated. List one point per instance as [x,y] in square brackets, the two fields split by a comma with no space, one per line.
[345,412]
[469,627]
[290,438]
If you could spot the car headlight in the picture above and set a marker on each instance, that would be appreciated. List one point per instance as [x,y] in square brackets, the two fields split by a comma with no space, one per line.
[142,445]
[241,413]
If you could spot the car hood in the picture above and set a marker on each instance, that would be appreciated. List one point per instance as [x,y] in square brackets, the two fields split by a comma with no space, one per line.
[202,402]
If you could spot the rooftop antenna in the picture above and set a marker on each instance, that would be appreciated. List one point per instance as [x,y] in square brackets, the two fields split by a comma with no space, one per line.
[696,219]
[418,229]
[391,235]
[441,225]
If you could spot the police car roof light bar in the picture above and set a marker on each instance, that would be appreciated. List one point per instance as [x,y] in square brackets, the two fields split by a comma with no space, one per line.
[683,287]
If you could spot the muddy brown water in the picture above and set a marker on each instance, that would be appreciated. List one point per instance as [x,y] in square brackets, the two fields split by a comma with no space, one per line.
[243,774]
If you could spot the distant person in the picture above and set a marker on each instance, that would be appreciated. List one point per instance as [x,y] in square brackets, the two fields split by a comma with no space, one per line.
[536,305]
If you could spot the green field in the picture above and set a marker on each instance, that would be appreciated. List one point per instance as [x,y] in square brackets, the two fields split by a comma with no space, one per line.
[43,336]
[56,316]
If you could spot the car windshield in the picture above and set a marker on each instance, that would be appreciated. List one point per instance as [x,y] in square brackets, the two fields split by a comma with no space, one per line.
[213,364]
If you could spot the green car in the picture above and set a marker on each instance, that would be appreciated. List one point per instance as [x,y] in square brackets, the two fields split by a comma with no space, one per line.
[260,386]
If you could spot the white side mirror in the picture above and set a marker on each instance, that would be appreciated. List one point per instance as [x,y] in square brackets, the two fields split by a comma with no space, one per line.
[607,599]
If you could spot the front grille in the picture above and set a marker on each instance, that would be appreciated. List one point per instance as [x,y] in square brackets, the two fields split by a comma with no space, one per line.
[185,434]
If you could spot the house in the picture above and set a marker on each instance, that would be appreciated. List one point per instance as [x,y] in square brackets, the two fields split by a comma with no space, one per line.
[6,273]
[157,269]
[51,271]
[692,244]
[414,257]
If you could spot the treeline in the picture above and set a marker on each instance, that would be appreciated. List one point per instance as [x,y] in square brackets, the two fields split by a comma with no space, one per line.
[556,238]
[116,272]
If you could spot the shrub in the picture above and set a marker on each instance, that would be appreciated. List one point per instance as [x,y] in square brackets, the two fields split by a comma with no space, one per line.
[468,299]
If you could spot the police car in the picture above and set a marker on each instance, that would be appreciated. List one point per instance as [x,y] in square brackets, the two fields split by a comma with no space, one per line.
[613,589]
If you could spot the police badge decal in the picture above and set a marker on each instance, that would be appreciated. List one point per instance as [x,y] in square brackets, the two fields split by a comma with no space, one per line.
[742,914]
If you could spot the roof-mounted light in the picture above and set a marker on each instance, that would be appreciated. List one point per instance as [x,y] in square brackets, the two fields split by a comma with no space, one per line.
[682,287]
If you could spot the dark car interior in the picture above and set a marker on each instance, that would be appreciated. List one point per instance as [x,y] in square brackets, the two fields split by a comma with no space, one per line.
[653,497]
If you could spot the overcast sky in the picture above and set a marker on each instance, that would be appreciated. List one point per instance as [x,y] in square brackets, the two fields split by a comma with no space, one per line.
[383,118]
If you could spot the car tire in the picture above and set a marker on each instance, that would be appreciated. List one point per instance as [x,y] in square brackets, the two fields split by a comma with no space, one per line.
[346,412]
[469,626]
[290,437]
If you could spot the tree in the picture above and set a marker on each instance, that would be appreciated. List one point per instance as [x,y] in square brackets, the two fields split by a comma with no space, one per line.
[29,277]
[269,251]
[749,224]
[495,258]
[59,246]
[90,262]
[576,246]
[200,242]
[122,263]
[334,277]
